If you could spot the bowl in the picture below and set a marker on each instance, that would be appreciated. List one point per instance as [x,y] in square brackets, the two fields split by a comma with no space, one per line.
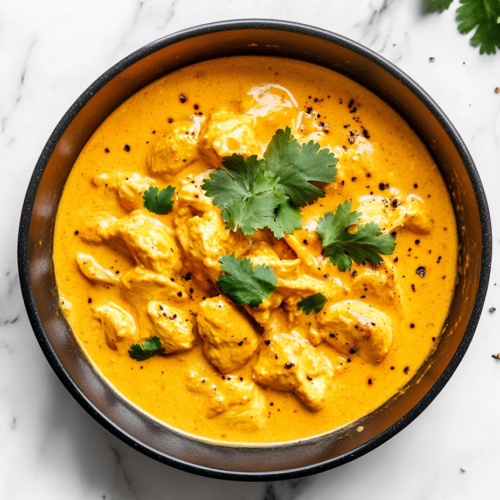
[270,38]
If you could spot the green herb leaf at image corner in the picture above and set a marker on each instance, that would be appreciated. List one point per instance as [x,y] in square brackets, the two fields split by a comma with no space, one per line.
[482,15]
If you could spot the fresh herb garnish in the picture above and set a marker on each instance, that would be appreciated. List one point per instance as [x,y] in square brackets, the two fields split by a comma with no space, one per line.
[438,5]
[159,202]
[342,247]
[244,284]
[313,302]
[147,349]
[483,14]
[254,194]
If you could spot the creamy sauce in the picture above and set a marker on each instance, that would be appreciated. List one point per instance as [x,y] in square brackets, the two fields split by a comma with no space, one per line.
[380,160]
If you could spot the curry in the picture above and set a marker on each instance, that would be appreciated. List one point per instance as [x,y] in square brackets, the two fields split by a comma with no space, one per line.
[333,335]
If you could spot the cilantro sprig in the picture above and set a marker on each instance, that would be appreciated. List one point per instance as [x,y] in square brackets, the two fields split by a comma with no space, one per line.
[159,202]
[147,349]
[245,284]
[312,303]
[342,247]
[483,14]
[255,194]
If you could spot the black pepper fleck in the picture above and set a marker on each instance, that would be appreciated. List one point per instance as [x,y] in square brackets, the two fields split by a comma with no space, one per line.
[182,98]
[421,271]
[126,148]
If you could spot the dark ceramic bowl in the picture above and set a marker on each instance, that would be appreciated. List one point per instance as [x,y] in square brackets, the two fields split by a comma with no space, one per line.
[270,38]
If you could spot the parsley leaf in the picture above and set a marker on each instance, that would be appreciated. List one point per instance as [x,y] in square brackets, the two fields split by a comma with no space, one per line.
[342,247]
[159,202]
[147,349]
[316,302]
[438,5]
[243,284]
[255,194]
[485,15]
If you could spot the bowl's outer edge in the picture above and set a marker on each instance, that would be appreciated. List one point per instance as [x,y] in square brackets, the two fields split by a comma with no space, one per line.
[23,255]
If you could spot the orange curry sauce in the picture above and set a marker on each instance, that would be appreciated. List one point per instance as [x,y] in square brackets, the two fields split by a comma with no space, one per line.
[383,168]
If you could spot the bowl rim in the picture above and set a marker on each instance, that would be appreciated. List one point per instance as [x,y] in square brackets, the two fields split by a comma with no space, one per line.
[231,25]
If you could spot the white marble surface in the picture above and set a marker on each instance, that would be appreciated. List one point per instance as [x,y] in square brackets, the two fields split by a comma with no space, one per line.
[50,448]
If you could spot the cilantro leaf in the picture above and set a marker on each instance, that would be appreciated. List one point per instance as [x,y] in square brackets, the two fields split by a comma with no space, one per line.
[295,166]
[255,194]
[159,202]
[147,349]
[235,182]
[245,193]
[287,220]
[251,213]
[316,302]
[342,247]
[244,284]
[438,5]
[485,15]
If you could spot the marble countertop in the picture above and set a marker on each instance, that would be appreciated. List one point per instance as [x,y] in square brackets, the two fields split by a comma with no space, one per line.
[50,448]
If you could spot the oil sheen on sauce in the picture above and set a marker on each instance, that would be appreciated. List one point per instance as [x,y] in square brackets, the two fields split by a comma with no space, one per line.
[380,160]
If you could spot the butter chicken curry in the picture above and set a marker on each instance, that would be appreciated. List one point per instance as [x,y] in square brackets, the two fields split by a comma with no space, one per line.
[255,250]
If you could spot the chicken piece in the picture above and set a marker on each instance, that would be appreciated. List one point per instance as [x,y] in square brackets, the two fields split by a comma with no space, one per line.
[202,233]
[227,133]
[379,282]
[414,217]
[262,313]
[177,148]
[129,189]
[95,225]
[237,401]
[391,215]
[92,270]
[142,284]
[273,108]
[150,242]
[65,306]
[192,200]
[229,337]
[205,239]
[172,326]
[288,362]
[354,327]
[116,324]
